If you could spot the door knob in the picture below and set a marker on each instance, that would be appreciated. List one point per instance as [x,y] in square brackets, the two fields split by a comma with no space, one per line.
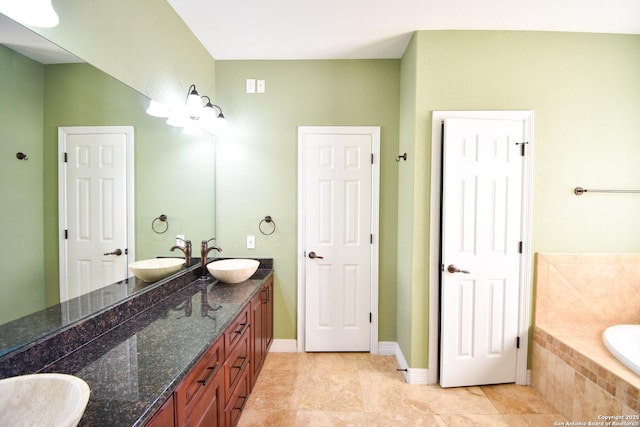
[453,269]
[117,252]
[313,255]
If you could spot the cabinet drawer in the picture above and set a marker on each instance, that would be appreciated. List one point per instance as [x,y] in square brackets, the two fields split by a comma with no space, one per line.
[198,381]
[233,333]
[237,362]
[238,399]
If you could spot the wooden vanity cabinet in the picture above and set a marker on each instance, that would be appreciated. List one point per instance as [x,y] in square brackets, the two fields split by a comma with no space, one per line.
[199,399]
[217,388]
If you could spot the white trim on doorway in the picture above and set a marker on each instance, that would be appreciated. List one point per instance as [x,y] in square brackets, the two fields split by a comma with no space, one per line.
[374,131]
[522,375]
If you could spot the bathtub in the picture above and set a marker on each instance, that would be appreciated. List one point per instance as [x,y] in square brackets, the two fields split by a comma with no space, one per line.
[623,341]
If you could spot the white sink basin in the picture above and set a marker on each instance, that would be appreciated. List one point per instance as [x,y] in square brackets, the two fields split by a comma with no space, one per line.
[154,269]
[233,270]
[42,400]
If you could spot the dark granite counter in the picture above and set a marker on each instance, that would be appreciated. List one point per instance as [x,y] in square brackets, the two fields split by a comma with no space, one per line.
[133,368]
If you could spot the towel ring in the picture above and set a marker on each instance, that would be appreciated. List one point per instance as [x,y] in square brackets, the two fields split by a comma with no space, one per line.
[154,224]
[268,220]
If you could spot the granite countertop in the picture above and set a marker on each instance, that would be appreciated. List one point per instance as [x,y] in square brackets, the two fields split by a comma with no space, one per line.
[135,367]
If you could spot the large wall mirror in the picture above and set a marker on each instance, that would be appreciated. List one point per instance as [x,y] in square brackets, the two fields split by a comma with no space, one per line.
[173,173]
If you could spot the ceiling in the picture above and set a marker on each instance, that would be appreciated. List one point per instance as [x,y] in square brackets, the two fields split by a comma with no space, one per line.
[356,29]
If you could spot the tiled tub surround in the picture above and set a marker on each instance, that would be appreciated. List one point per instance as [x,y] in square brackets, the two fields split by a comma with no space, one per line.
[577,298]
[132,368]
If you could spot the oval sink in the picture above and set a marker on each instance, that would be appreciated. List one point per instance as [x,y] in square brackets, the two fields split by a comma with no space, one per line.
[42,400]
[233,270]
[154,269]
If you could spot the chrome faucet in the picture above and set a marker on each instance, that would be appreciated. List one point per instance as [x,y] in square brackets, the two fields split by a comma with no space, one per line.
[186,250]
[204,251]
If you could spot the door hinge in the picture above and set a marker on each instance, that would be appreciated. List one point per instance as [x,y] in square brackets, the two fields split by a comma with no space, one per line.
[371,158]
[518,342]
[522,144]
[371,239]
[66,158]
[520,247]
[66,234]
[370,317]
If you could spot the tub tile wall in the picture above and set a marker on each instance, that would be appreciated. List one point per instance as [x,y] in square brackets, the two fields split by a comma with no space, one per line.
[587,289]
[576,386]
[577,297]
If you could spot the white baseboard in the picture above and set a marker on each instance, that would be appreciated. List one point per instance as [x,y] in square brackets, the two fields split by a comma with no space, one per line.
[284,346]
[416,376]
[387,348]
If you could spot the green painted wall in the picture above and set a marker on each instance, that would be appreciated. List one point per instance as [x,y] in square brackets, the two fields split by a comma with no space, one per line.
[585,91]
[406,171]
[21,118]
[257,161]
[142,43]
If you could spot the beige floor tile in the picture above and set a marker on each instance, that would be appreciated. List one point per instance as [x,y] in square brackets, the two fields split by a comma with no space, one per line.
[534,420]
[458,400]
[358,389]
[390,395]
[375,419]
[330,418]
[516,399]
[252,417]
[471,420]
[335,362]
[276,389]
[287,361]
[330,391]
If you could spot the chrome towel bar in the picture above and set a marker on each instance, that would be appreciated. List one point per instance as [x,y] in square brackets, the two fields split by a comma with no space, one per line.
[580,191]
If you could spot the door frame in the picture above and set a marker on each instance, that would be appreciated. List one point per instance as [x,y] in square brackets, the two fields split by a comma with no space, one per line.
[524,305]
[374,131]
[62,190]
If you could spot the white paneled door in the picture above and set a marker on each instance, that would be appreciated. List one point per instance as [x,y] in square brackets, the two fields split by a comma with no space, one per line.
[338,180]
[94,207]
[481,250]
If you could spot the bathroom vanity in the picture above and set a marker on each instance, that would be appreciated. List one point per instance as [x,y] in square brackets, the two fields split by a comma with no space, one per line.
[188,357]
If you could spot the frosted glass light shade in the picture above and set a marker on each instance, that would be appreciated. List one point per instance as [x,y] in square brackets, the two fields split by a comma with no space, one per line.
[157,110]
[36,13]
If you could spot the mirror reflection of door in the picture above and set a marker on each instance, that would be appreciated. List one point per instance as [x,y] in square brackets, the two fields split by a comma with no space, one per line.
[95,213]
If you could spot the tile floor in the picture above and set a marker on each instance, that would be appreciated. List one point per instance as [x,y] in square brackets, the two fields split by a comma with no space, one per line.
[359,389]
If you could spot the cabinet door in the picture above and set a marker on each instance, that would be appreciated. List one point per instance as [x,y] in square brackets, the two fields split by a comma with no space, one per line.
[257,336]
[210,407]
[165,417]
[268,315]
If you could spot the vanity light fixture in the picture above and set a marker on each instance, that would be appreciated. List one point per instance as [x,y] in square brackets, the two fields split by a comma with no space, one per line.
[193,116]
[211,121]
[36,13]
